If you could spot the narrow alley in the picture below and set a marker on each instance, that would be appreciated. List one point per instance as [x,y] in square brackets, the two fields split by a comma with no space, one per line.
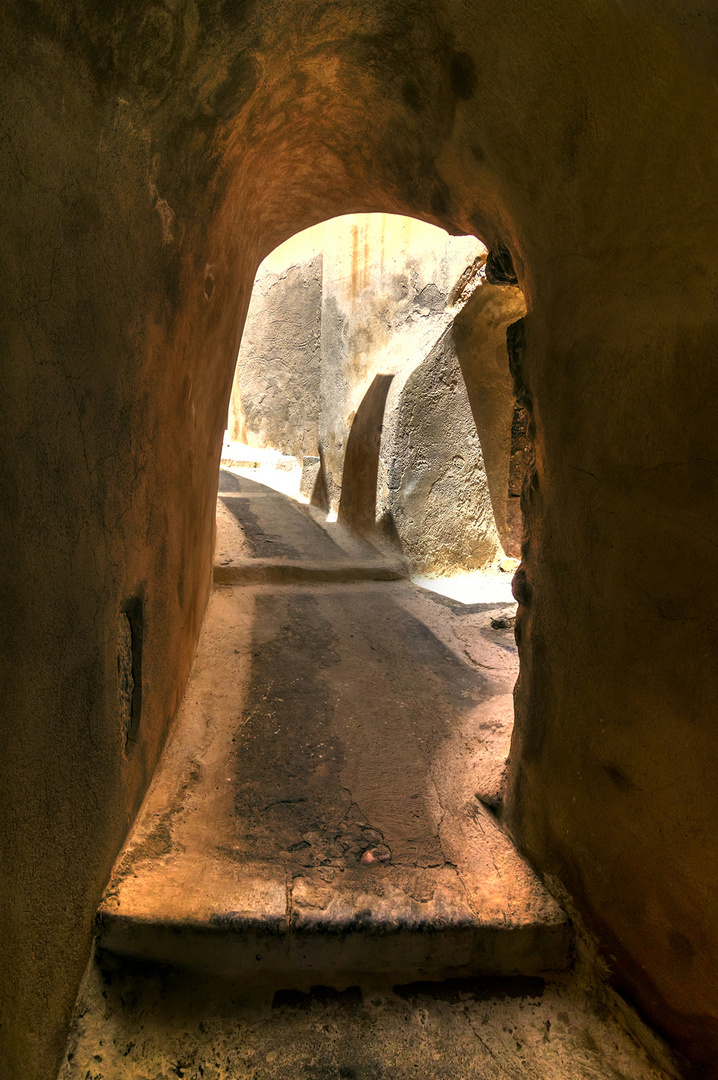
[323,834]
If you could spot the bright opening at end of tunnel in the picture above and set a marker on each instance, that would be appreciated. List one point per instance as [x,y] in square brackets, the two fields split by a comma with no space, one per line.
[372,385]
[491,586]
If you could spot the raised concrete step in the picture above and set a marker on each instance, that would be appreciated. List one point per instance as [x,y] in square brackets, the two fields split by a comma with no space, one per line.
[266,537]
[283,571]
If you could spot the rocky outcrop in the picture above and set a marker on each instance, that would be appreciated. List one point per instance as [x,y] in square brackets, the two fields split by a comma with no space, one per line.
[433,498]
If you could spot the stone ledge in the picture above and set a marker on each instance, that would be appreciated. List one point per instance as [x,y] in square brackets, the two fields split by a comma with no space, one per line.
[244,922]
[279,572]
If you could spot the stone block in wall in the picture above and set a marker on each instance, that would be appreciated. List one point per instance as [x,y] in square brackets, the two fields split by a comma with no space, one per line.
[310,474]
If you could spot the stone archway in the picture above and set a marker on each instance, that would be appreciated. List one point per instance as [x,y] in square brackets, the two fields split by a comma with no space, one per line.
[152,156]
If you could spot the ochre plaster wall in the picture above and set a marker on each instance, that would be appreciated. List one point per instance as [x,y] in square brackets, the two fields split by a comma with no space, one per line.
[275,394]
[151,155]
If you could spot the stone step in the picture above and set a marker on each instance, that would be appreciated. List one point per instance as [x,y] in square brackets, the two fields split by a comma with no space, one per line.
[264,536]
[314,817]
[281,571]
[400,926]
[276,527]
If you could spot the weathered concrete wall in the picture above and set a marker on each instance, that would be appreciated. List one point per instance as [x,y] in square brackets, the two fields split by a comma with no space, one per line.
[276,387]
[151,156]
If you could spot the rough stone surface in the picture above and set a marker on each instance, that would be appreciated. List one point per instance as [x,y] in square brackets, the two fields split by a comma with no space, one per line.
[519,465]
[311,468]
[151,156]
[433,498]
[390,290]
[161,1025]
[479,336]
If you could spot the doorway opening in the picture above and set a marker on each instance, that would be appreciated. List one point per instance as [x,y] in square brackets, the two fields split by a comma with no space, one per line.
[372,383]
[370,439]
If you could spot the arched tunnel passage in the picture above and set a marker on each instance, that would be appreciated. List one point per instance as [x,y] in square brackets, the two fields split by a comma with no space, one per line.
[578,136]
[338,820]
[358,826]
[340,812]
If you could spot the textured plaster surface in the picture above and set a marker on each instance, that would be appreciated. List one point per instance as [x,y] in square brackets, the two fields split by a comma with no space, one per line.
[479,338]
[151,156]
[275,395]
[389,292]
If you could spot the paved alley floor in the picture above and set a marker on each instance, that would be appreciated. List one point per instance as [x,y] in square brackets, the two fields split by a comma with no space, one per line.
[316,885]
[315,815]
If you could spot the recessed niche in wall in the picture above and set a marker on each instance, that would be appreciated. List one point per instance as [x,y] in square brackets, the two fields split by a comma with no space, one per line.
[129,670]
